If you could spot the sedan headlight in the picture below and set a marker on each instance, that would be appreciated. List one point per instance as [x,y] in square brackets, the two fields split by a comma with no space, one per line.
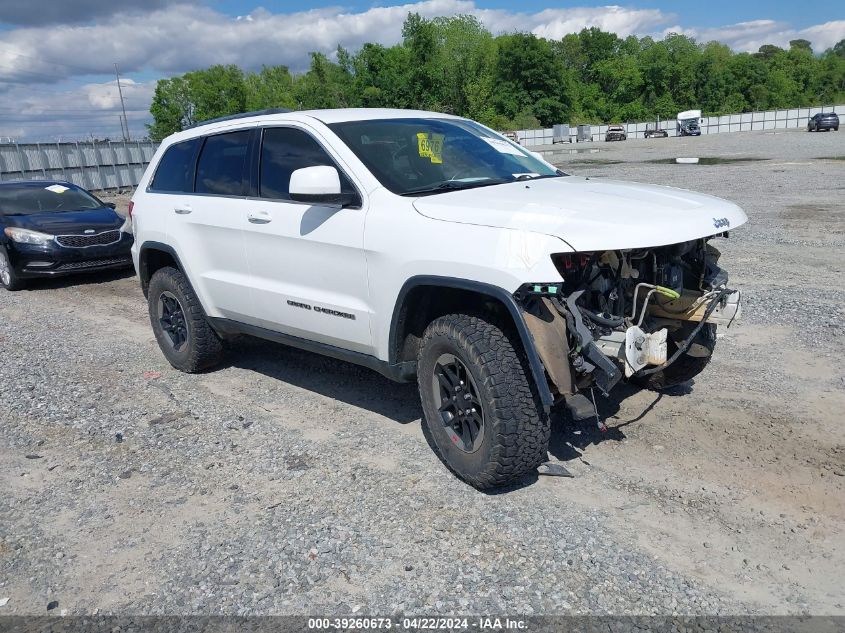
[25,236]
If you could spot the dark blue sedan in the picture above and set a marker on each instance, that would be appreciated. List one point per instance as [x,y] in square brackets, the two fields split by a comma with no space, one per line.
[50,228]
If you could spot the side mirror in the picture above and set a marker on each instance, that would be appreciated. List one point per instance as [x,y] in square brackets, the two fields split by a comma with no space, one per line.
[111,205]
[318,185]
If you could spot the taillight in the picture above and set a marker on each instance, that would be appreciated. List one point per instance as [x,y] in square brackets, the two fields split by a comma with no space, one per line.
[131,206]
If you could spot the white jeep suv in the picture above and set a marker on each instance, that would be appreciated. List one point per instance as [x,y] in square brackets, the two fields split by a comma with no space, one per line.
[426,245]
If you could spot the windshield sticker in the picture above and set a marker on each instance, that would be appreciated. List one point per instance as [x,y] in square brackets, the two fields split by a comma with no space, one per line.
[57,188]
[430,146]
[503,146]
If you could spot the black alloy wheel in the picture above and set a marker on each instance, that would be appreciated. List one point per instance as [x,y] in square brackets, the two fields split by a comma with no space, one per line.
[180,325]
[460,406]
[171,316]
[481,411]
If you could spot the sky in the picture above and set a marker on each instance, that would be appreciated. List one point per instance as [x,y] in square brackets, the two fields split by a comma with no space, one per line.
[57,56]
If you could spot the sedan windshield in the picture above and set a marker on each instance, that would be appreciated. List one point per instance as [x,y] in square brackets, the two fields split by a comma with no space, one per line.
[417,157]
[31,198]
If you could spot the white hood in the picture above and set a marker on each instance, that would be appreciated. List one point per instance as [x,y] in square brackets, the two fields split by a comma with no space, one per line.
[589,214]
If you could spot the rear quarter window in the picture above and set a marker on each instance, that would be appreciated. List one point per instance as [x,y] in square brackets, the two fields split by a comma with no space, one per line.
[220,168]
[175,171]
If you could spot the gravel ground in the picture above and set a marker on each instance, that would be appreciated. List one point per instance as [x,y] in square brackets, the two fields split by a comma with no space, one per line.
[287,483]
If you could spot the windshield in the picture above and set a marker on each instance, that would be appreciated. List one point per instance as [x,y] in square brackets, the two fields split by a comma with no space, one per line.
[424,156]
[31,198]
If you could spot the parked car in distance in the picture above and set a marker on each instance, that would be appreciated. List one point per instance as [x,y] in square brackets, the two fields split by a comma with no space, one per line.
[615,133]
[652,131]
[428,247]
[513,136]
[50,228]
[823,121]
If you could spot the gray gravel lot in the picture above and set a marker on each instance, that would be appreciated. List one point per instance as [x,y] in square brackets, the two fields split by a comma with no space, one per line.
[287,483]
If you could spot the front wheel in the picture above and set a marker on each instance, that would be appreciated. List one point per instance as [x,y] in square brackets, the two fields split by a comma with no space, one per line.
[8,278]
[481,411]
[179,323]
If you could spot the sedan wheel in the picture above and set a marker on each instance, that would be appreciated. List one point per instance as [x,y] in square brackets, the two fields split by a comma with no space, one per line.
[8,279]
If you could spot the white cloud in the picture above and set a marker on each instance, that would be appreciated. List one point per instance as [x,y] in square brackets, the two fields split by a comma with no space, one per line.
[173,38]
[177,38]
[181,37]
[750,36]
[28,113]
[555,23]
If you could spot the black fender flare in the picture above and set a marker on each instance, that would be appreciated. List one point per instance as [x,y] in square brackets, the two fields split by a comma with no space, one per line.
[143,273]
[538,371]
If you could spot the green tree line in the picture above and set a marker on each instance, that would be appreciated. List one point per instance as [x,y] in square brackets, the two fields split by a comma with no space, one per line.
[517,80]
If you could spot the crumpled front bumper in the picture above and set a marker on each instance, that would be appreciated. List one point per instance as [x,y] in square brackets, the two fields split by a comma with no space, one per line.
[569,351]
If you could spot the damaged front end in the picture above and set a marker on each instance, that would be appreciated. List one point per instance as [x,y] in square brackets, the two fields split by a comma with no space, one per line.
[628,314]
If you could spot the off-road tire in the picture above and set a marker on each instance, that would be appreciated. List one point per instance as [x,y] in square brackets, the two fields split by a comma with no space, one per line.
[202,348]
[686,367]
[516,428]
[13,282]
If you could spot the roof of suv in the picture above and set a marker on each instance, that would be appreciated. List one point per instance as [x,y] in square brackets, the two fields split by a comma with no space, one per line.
[328,117]
[365,114]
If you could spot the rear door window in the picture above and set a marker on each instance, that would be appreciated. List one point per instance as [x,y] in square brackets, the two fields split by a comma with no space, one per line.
[175,171]
[283,151]
[220,169]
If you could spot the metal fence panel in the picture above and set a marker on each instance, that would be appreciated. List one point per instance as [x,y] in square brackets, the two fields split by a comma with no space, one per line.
[89,165]
[785,118]
[134,154]
[121,152]
[69,154]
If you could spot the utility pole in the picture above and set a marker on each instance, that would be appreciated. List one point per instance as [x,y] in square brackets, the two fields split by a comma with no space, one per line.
[122,106]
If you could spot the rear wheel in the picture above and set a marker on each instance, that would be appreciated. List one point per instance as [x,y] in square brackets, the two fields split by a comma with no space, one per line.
[689,364]
[179,323]
[8,277]
[481,412]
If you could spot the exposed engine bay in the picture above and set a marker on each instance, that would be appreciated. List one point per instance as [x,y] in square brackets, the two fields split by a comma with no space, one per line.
[629,314]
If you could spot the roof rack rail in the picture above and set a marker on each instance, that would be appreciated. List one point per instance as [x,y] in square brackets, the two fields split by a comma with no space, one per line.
[241,115]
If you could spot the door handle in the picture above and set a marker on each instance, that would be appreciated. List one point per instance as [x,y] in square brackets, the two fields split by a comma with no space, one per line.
[185,209]
[259,217]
